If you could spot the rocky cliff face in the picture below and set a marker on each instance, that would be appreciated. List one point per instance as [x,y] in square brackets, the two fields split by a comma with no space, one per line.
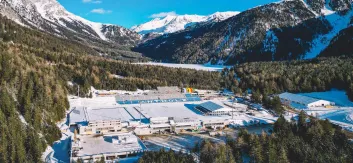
[286,30]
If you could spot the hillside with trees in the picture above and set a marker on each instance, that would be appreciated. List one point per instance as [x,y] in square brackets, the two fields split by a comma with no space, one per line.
[267,78]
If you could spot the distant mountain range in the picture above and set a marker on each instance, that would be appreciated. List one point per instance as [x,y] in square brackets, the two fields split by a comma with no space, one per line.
[286,30]
[171,24]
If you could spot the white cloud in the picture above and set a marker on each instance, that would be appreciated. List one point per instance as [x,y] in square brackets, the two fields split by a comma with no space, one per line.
[163,14]
[92,1]
[101,11]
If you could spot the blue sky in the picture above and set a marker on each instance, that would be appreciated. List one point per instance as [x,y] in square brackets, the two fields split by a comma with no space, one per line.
[133,12]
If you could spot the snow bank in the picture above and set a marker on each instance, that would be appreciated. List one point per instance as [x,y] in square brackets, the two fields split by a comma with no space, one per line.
[205,67]
[342,115]
[47,154]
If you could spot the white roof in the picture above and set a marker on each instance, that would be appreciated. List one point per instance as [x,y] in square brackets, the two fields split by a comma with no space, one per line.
[176,110]
[83,114]
[106,114]
[298,98]
[78,115]
[104,144]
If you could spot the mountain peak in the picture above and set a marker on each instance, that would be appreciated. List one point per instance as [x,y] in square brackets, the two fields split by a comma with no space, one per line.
[171,24]
[285,30]
[51,17]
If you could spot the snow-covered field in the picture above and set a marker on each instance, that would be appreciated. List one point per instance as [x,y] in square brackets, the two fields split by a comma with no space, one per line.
[339,97]
[205,67]
[341,114]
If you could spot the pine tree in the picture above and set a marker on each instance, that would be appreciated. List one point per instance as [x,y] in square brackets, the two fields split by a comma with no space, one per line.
[3,138]
[272,153]
[282,156]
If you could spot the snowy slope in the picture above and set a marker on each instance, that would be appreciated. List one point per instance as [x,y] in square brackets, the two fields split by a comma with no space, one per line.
[52,17]
[171,24]
[337,20]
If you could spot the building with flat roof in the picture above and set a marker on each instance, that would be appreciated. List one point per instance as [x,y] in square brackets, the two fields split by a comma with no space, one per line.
[161,95]
[109,147]
[185,124]
[213,108]
[99,120]
[303,101]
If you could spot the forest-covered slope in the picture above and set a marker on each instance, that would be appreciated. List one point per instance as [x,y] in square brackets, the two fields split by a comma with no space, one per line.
[267,78]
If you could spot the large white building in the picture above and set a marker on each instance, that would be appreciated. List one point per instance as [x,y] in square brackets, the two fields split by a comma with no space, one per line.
[304,101]
[100,120]
[91,148]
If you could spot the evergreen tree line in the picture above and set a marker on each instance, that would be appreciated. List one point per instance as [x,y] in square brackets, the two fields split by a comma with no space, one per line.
[308,140]
[80,64]
[32,101]
[102,74]
[163,156]
[267,78]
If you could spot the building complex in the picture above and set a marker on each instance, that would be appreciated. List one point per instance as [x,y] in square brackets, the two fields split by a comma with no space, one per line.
[108,132]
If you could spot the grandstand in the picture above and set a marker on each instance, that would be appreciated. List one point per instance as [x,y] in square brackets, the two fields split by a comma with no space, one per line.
[161,95]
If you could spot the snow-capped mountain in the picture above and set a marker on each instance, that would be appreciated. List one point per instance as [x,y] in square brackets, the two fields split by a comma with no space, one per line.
[52,17]
[171,24]
[285,30]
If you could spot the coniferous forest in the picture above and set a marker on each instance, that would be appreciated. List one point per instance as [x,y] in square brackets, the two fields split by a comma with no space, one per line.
[268,78]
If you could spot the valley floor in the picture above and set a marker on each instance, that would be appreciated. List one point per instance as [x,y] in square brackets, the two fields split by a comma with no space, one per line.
[204,67]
